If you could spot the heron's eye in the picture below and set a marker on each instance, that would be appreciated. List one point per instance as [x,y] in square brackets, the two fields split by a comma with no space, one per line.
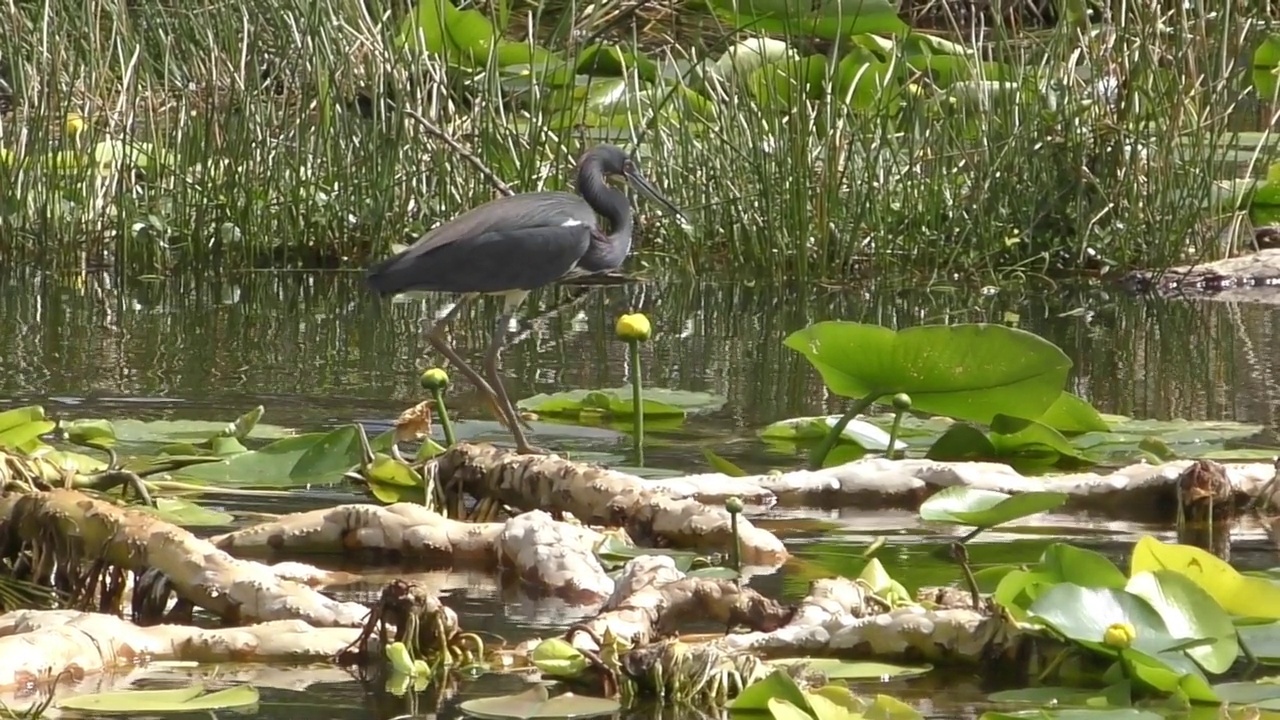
[628,166]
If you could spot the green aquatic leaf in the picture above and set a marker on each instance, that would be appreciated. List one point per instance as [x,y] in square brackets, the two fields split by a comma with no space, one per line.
[21,416]
[331,455]
[393,481]
[1073,414]
[185,513]
[828,19]
[780,709]
[722,465]
[1067,563]
[777,684]
[1264,695]
[1189,612]
[1263,641]
[93,433]
[599,59]
[557,658]
[270,466]
[20,437]
[964,505]
[177,700]
[1119,695]
[158,432]
[1049,713]
[968,372]
[536,703]
[865,434]
[1266,66]
[961,442]
[1019,439]
[613,552]
[1238,594]
[657,403]
[837,669]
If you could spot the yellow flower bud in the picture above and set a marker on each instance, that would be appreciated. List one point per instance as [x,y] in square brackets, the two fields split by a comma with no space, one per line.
[1119,635]
[74,124]
[633,328]
[435,379]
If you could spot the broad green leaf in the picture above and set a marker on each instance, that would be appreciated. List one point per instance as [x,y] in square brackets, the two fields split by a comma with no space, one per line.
[1237,594]
[617,401]
[94,433]
[780,709]
[392,481]
[20,416]
[1165,674]
[186,513]
[777,684]
[869,436]
[722,465]
[886,707]
[1117,695]
[328,457]
[1084,614]
[557,658]
[1265,695]
[1072,414]
[19,436]
[968,372]
[828,19]
[964,505]
[271,466]
[1189,612]
[613,552]
[178,700]
[837,669]
[1081,566]
[535,703]
[1015,437]
[1263,641]
[159,432]
[1074,714]
[962,442]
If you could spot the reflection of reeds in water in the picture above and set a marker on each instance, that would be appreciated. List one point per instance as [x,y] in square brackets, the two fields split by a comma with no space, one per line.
[272,138]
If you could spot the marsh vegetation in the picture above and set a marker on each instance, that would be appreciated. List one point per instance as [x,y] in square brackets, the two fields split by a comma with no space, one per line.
[808,146]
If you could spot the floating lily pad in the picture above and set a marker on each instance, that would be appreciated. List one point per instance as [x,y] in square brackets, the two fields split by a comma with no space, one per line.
[964,505]
[557,658]
[178,700]
[186,514]
[270,466]
[1118,695]
[535,703]
[1237,594]
[836,669]
[861,432]
[1074,714]
[617,402]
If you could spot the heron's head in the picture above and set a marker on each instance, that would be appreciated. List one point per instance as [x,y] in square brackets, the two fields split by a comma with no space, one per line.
[612,161]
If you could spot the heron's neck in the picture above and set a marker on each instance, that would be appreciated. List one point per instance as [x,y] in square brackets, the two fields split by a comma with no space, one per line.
[610,204]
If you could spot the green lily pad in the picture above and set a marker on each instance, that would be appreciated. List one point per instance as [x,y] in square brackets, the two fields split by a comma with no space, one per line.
[861,432]
[968,372]
[535,703]
[94,433]
[270,466]
[617,402]
[1190,612]
[21,416]
[836,669]
[1118,695]
[185,513]
[158,432]
[1237,594]
[962,505]
[135,702]
[1074,714]
[557,658]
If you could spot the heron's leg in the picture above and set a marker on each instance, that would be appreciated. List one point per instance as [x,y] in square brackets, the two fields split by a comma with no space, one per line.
[510,302]
[435,336]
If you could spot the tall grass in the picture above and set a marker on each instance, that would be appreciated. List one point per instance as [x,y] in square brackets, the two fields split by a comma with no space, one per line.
[275,135]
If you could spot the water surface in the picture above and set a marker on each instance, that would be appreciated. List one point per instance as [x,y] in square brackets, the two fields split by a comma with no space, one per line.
[317,350]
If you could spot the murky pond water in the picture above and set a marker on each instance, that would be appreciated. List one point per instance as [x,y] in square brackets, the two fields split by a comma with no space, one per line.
[317,350]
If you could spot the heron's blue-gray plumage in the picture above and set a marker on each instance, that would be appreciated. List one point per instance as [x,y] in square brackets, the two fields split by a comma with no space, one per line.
[519,242]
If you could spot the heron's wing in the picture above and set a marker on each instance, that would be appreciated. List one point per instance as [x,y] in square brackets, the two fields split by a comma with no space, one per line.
[513,212]
[496,261]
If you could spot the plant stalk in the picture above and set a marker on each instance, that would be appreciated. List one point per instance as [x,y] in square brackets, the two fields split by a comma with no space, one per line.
[443,412]
[637,400]
[820,454]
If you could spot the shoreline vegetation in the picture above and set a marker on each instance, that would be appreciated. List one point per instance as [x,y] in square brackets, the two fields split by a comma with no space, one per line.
[816,146]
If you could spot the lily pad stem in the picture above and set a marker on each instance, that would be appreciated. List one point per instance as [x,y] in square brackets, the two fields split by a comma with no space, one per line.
[443,412]
[819,455]
[637,399]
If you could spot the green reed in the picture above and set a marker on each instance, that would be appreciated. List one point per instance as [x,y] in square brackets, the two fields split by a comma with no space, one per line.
[260,152]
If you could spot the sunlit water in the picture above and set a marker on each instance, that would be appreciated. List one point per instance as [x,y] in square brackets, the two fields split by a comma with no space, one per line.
[317,350]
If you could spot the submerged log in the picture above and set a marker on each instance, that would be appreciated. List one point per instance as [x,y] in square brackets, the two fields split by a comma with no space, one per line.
[1139,491]
[557,557]
[1254,277]
[87,545]
[648,510]
[39,645]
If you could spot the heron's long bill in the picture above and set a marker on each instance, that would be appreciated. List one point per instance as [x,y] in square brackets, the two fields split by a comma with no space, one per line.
[648,190]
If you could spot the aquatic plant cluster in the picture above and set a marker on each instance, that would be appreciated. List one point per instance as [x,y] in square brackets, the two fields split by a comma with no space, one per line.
[807,143]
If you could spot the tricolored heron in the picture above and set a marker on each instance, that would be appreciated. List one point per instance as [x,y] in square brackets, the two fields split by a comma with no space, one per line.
[515,244]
